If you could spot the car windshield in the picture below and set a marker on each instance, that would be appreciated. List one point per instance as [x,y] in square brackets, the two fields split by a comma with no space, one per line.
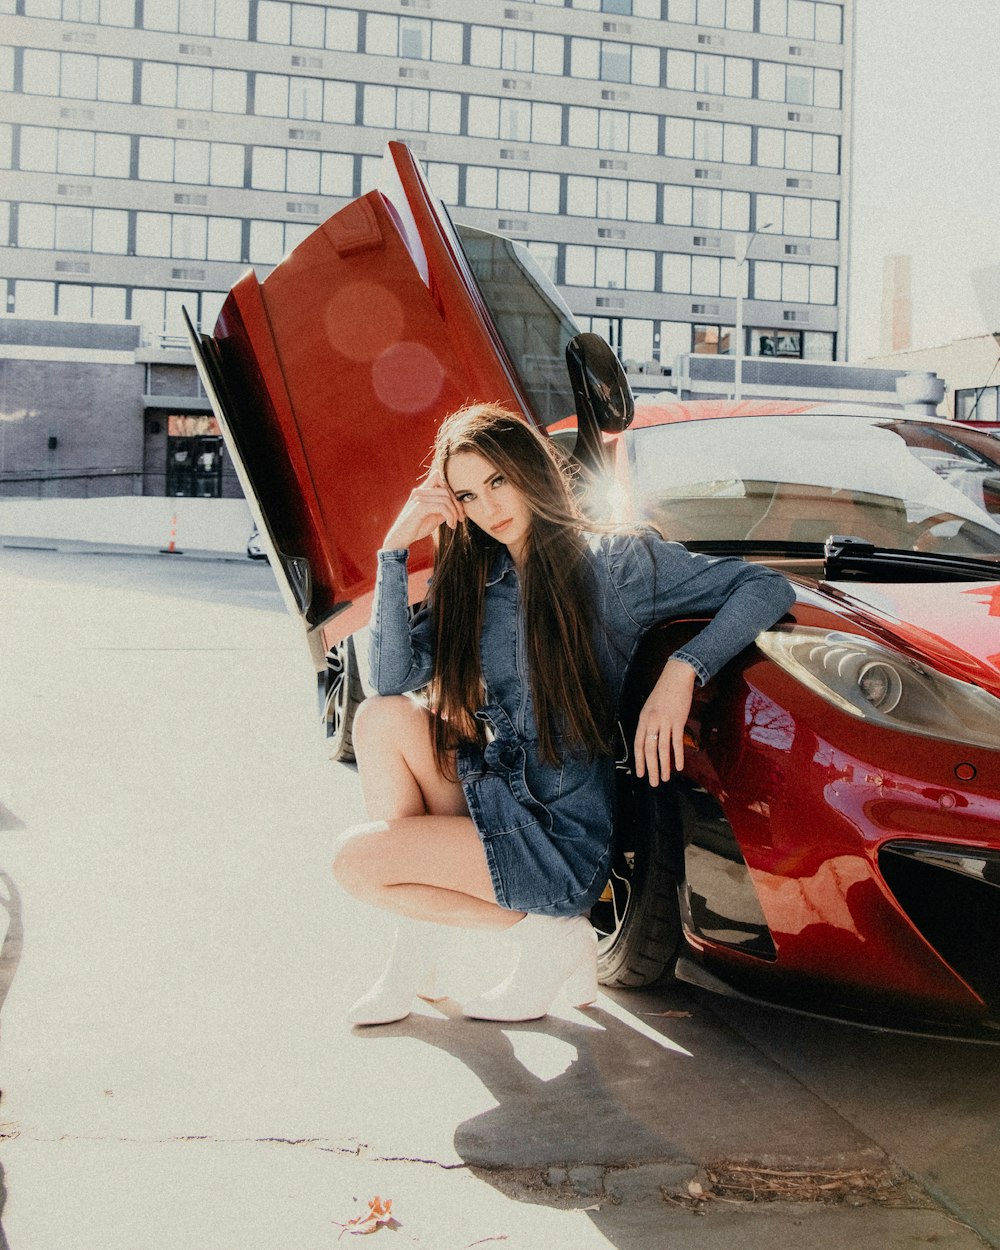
[901,483]
[533,322]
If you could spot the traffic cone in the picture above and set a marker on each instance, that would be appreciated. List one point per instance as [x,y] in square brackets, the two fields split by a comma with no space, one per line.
[171,549]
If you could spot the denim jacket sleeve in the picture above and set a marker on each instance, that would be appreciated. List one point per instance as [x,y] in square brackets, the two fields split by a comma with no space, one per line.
[655,579]
[400,650]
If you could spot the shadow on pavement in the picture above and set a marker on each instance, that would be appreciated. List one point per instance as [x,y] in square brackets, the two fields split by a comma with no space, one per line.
[613,1117]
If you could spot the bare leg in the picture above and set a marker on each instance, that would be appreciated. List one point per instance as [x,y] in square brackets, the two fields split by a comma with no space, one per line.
[420,855]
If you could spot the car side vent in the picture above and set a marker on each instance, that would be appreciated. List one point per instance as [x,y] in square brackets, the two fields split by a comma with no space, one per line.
[299,574]
[952,895]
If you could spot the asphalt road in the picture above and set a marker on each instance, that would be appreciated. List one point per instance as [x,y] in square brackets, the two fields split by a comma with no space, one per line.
[177,1070]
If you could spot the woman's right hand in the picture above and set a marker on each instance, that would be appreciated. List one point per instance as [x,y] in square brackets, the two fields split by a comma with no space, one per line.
[430,504]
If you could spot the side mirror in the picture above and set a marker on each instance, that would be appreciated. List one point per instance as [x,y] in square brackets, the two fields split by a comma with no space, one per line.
[603,396]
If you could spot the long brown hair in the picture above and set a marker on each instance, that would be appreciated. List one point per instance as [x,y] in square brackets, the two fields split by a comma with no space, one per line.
[570,696]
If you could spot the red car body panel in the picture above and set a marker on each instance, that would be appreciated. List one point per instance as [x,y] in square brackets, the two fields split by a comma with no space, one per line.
[344,361]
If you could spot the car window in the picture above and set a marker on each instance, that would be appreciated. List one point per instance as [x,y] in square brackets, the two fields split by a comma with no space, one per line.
[801,478]
[533,322]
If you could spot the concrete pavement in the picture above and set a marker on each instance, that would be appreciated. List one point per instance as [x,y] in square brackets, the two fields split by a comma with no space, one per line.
[176,1066]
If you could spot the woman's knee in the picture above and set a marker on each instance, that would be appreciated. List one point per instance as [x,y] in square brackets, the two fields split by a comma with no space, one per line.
[384,715]
[356,857]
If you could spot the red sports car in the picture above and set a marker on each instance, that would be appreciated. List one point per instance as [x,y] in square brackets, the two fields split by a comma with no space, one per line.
[833,844]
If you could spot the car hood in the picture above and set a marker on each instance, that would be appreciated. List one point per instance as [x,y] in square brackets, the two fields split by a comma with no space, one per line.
[955,626]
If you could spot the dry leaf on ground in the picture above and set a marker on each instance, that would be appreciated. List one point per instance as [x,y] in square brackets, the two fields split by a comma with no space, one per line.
[379,1215]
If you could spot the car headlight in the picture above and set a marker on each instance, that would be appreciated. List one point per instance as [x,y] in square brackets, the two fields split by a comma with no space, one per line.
[875,683]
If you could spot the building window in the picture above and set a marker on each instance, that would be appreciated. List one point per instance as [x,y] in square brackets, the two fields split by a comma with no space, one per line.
[786,343]
[616,268]
[228,19]
[795,149]
[105,12]
[34,299]
[802,19]
[795,215]
[799,84]
[977,404]
[712,340]
[194,87]
[791,283]
[415,38]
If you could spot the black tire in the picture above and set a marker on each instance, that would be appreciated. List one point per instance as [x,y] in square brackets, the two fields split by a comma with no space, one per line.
[638,919]
[344,693]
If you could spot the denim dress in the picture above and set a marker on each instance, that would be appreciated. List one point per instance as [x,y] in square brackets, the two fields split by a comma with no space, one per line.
[547,830]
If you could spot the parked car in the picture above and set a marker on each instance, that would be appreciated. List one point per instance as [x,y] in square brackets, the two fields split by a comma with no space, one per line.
[833,844]
[255,548]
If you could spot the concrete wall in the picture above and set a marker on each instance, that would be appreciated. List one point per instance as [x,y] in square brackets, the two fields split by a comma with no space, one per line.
[206,525]
[93,414]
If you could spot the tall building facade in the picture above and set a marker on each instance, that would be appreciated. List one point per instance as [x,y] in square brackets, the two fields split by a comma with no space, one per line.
[152,149]
[651,153]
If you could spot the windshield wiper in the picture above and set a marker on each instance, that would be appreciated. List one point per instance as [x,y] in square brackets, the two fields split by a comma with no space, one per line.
[845,557]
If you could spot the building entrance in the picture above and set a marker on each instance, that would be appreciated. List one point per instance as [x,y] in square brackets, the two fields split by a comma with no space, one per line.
[194,457]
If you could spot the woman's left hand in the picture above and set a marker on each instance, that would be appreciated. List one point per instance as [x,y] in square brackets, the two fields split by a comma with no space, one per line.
[661,723]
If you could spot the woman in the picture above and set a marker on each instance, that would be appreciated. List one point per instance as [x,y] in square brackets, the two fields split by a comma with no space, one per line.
[494,808]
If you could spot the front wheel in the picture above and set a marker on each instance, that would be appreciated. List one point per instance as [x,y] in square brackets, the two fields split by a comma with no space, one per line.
[344,693]
[638,916]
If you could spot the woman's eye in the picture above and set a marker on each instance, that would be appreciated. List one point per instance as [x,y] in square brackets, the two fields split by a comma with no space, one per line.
[497,481]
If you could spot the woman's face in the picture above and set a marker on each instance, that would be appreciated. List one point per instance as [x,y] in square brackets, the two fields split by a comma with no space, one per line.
[489,500]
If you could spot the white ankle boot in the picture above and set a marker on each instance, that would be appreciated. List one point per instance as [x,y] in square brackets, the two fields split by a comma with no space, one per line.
[408,974]
[556,953]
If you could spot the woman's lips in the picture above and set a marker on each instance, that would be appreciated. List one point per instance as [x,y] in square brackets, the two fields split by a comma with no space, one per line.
[501,525]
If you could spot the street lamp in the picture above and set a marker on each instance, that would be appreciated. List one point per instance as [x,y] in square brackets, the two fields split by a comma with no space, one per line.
[742,280]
